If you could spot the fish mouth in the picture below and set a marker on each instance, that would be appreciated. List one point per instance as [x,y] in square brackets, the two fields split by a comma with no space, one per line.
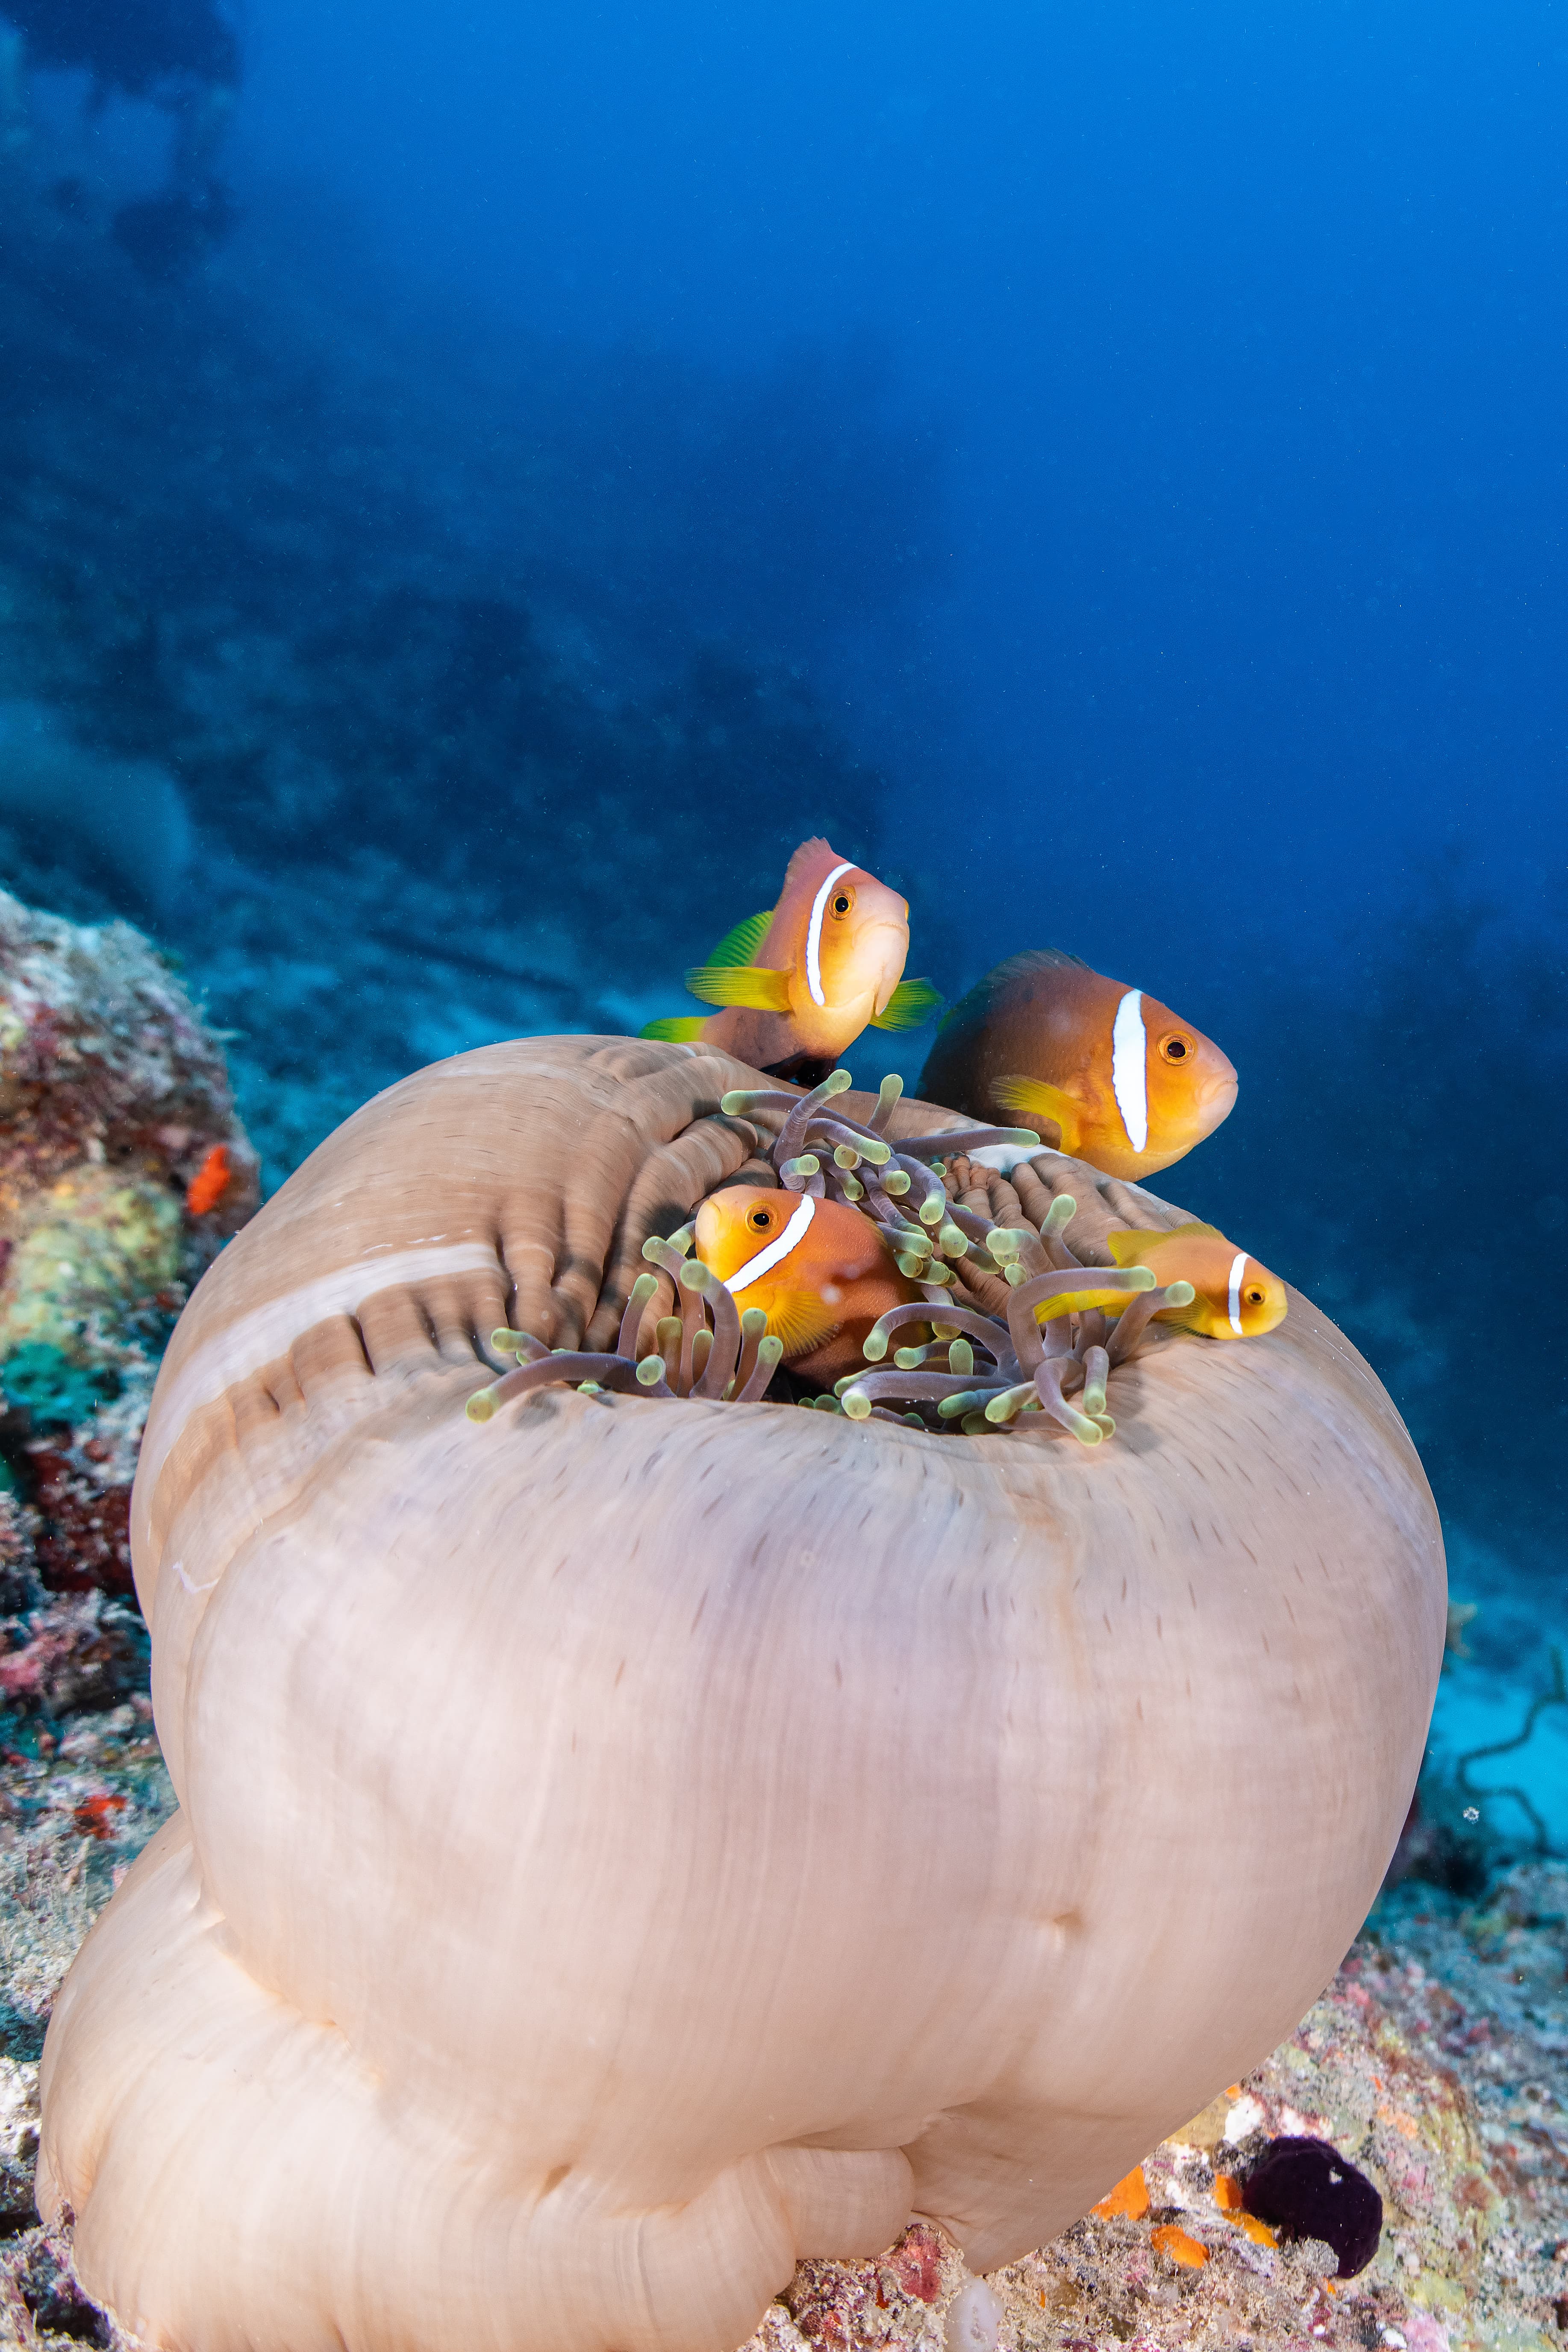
[1217,1092]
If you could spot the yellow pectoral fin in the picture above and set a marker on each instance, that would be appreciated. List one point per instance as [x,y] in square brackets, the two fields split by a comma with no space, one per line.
[1197,1315]
[751,985]
[910,1006]
[802,1320]
[740,946]
[683,1031]
[1033,1095]
[1078,1302]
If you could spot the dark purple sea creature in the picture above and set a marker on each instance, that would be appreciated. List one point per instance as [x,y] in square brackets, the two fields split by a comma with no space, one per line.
[1305,2189]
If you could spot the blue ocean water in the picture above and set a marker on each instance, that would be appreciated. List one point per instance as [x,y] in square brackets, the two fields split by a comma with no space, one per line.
[513,472]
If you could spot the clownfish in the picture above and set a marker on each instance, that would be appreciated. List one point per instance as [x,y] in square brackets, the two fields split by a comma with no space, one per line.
[1233,1297]
[798,983]
[1117,1079]
[821,1271]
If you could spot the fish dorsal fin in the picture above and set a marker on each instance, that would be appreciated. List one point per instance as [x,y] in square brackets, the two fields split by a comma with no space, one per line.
[1017,967]
[802,1320]
[810,862]
[753,986]
[1125,1247]
[910,1006]
[1002,975]
[741,945]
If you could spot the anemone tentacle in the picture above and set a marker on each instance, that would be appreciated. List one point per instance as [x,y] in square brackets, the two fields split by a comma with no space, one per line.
[987,1251]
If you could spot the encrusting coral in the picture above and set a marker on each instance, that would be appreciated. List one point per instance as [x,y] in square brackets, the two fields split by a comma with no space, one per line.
[113,1096]
[747,1828]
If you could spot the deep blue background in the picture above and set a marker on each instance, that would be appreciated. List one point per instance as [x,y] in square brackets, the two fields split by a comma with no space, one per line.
[1234,338]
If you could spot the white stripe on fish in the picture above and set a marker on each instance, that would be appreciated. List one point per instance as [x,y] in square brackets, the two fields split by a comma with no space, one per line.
[1238,1268]
[813,933]
[1128,1068]
[775,1252]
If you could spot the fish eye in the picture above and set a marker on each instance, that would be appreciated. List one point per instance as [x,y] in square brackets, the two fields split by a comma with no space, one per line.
[760,1220]
[842,903]
[1176,1049]
[1255,1298]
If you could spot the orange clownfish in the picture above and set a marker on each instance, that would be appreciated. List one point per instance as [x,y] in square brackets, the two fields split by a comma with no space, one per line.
[798,983]
[1233,1297]
[1105,1072]
[821,1271]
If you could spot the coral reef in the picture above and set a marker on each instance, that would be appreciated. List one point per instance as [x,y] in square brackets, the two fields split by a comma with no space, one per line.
[113,1091]
[113,1096]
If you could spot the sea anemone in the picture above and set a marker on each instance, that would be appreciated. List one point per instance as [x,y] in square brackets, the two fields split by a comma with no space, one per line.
[612,1865]
[729,1358]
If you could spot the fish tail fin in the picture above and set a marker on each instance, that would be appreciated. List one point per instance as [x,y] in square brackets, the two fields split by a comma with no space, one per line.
[753,986]
[683,1031]
[1043,1101]
[910,1006]
[1124,1245]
